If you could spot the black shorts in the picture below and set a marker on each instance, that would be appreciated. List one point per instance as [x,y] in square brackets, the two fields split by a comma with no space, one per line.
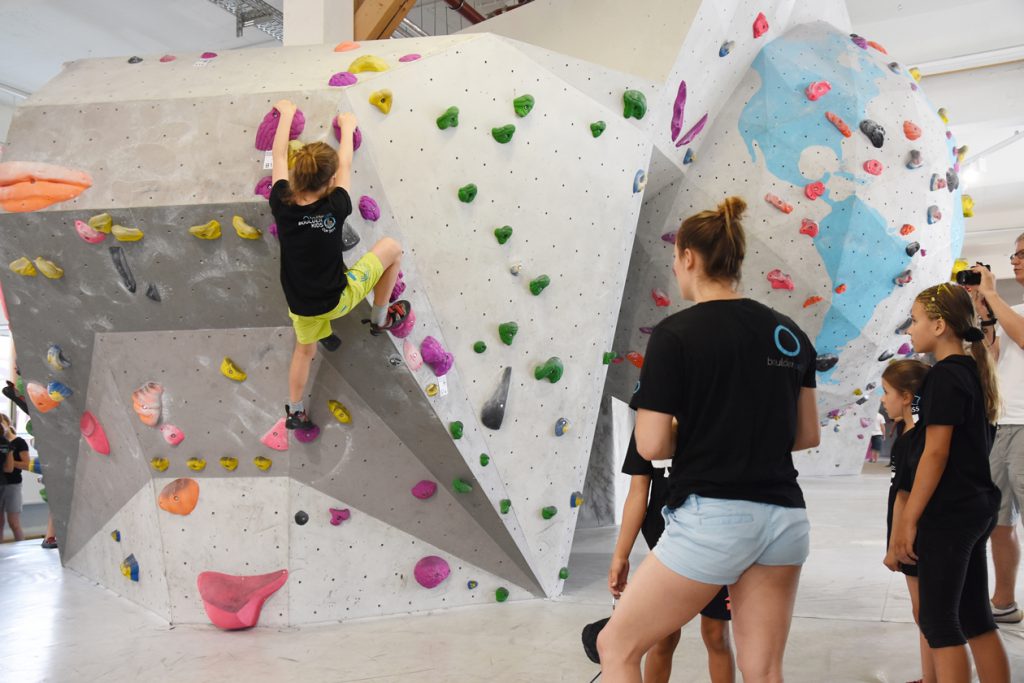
[876,442]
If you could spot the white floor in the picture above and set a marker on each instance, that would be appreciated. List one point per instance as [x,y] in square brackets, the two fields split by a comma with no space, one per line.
[853,623]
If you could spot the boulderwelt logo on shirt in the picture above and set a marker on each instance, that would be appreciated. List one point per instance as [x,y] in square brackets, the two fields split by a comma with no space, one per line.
[788,344]
[325,223]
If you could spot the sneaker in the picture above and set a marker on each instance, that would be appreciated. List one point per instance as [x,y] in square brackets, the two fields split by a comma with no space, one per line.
[331,343]
[49,542]
[1007,615]
[397,313]
[299,420]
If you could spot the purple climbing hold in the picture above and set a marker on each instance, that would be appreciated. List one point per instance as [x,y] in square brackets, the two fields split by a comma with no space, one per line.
[268,128]
[425,489]
[862,43]
[405,329]
[693,132]
[368,208]
[646,330]
[307,435]
[342,78]
[263,187]
[412,57]
[865,422]
[905,349]
[677,110]
[357,135]
[273,229]
[669,237]
[339,516]
[436,357]
[399,288]
[431,571]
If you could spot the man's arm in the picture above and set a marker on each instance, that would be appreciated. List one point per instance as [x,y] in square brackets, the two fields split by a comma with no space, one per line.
[1011,321]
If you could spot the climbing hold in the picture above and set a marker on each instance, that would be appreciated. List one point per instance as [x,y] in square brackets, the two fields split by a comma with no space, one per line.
[916,74]
[29,186]
[179,497]
[40,397]
[501,595]
[873,166]
[167,58]
[493,412]
[244,230]
[307,435]
[485,460]
[382,99]
[597,127]
[49,269]
[232,371]
[368,208]
[398,289]
[689,157]
[903,278]
[608,357]
[817,90]
[760,25]
[479,347]
[561,426]
[262,463]
[874,132]
[346,45]
[538,284]
[504,133]
[93,433]
[234,602]
[301,517]
[341,79]
[726,48]
[905,349]
[811,300]
[411,57]
[339,411]
[461,486]
[467,193]
[943,114]
[268,128]
[507,332]
[548,512]
[960,152]
[424,489]
[159,464]
[780,280]
[101,222]
[276,437]
[130,568]
[208,55]
[228,462]
[551,370]
[58,391]
[639,181]
[841,289]
[777,202]
[825,362]
[952,183]
[634,104]
[669,237]
[678,109]
[432,390]
[878,47]
[515,268]
[862,43]
[914,160]
[456,429]
[116,535]
[123,234]
[357,134]
[196,464]
[911,130]
[206,231]
[88,233]
[471,584]
[895,67]
[840,125]
[367,63]
[523,105]
[885,355]
[23,266]
[434,355]
[635,358]
[967,204]
[263,187]
[339,516]
[814,190]
[147,401]
[937,182]
[55,358]
[152,293]
[808,227]
[906,229]
[505,505]
[575,499]
[503,234]
[934,215]
[660,298]
[958,265]
[563,573]
[449,119]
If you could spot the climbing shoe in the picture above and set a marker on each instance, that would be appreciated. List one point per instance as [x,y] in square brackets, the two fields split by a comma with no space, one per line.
[331,343]
[397,314]
[299,420]
[11,392]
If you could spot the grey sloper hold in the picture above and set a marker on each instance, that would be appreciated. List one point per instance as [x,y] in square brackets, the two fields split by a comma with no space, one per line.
[121,263]
[349,236]
[153,293]
[493,412]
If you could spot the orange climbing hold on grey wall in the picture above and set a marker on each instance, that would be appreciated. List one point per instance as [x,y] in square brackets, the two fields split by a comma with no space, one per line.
[29,186]
[179,497]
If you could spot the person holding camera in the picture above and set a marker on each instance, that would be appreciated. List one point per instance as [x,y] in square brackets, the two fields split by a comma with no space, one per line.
[1003,325]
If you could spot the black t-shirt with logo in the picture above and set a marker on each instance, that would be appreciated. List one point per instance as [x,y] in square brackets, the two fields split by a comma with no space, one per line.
[19,448]
[634,464]
[312,268]
[730,371]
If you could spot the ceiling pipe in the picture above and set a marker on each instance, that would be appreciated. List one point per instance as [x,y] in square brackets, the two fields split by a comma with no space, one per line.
[466,10]
[977,60]
[11,90]
[975,158]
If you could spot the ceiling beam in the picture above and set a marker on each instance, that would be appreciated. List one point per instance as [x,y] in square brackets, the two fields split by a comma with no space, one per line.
[976,60]
[466,10]
[11,90]
[378,19]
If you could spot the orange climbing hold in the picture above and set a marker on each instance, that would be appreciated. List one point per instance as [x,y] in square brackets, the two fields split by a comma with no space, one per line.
[840,289]
[147,401]
[811,300]
[40,397]
[635,358]
[911,130]
[906,229]
[179,497]
[346,46]
[29,186]
[839,124]
[877,47]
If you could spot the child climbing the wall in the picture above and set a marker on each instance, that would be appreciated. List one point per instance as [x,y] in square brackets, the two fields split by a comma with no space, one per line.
[951,509]
[310,203]
[648,491]
[901,382]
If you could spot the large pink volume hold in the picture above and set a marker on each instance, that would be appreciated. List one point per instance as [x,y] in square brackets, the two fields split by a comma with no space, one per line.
[234,602]
[92,432]
[268,128]
[431,571]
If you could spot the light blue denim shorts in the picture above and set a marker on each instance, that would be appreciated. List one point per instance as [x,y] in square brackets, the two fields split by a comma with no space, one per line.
[713,540]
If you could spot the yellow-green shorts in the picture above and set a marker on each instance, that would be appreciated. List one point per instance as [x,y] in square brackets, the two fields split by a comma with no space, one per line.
[362,278]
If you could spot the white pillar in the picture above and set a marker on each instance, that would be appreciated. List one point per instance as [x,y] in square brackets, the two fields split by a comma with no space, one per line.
[315,22]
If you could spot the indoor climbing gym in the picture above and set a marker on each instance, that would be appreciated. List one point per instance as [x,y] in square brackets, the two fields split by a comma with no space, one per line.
[512,341]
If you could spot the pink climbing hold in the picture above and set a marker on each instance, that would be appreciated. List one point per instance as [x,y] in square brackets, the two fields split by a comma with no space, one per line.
[306,435]
[339,516]
[357,135]
[368,208]
[760,25]
[89,233]
[434,355]
[808,227]
[693,132]
[398,289]
[431,571]
[865,422]
[405,329]
[814,190]
[277,437]
[424,489]
[412,356]
[817,90]
[412,57]
[172,434]
[660,298]
[905,349]
[92,432]
[677,110]
[208,55]
[780,280]
[273,230]
[778,203]
[167,58]
[342,78]
[268,128]
[234,602]
[263,187]
[873,166]
[669,237]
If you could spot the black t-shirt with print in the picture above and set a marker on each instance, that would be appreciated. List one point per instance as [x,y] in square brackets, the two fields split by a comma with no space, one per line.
[951,394]
[634,464]
[730,371]
[19,448]
[312,268]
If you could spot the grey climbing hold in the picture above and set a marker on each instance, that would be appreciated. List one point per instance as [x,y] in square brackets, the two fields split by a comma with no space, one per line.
[913,248]
[493,412]
[153,293]
[349,236]
[826,362]
[121,263]
[886,355]
[904,326]
[301,517]
[874,132]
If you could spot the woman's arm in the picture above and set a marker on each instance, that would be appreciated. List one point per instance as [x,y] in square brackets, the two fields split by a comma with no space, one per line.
[929,472]
[808,429]
[347,125]
[633,514]
[8,463]
[655,435]
[286,111]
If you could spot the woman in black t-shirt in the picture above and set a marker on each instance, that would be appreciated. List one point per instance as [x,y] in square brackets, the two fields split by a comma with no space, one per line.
[739,377]
[11,501]
[951,509]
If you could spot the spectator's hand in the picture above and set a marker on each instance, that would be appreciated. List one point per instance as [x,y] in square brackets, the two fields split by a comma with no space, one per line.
[285,107]
[347,121]
[987,287]
[891,562]
[617,574]
[902,544]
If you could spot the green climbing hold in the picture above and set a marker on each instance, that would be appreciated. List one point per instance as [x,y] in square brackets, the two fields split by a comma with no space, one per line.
[42,494]
[501,595]
[608,357]
[461,486]
[538,284]
[456,429]
[504,133]
[507,332]
[523,105]
[29,428]
[563,573]
[506,505]
[485,460]
[467,193]
[548,512]
[551,370]
[479,347]
[634,104]
[449,119]
[597,127]
[503,233]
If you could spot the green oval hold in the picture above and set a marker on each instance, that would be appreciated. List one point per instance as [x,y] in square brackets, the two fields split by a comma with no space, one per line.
[523,105]
[479,347]
[501,595]
[485,460]
[456,429]
[449,119]
[597,127]
[538,284]
[461,486]
[563,573]
[608,357]
[467,193]
[549,512]
[634,104]
[503,233]
[504,133]
[507,332]
[551,370]
[505,505]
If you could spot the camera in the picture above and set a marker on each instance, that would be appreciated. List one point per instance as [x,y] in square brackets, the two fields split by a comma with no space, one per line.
[970,277]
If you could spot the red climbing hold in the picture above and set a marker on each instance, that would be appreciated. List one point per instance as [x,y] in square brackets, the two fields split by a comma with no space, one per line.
[811,300]
[840,125]
[760,25]
[817,90]
[635,358]
[878,47]
[92,432]
[808,227]
[172,434]
[167,58]
[840,289]
[873,166]
[208,55]
[277,437]
[814,190]
[234,602]
[780,280]
[776,201]
[660,298]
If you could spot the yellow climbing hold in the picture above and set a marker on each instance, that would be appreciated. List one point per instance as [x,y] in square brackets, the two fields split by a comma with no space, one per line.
[262,463]
[23,266]
[196,464]
[381,99]
[339,411]
[293,148]
[159,464]
[206,231]
[432,390]
[244,230]
[943,114]
[231,371]
[857,392]
[968,205]
[229,463]
[367,63]
[123,234]
[916,73]
[49,268]
[102,222]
